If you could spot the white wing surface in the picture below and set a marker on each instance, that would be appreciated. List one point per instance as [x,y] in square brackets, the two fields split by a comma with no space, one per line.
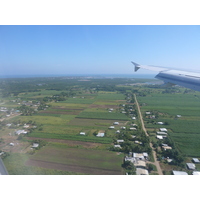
[183,78]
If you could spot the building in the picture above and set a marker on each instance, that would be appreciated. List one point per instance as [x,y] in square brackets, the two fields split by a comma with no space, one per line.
[82,133]
[195,160]
[163,129]
[118,131]
[100,135]
[120,141]
[116,123]
[133,129]
[160,123]
[35,145]
[160,137]
[111,127]
[179,173]
[20,132]
[140,171]
[196,173]
[140,164]
[191,166]
[141,156]
[161,133]
[117,146]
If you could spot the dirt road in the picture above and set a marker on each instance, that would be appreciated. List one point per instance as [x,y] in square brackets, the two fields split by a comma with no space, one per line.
[156,163]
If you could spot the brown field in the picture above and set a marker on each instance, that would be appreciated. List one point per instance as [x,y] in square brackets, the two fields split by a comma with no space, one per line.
[71,143]
[87,161]
[103,106]
[73,168]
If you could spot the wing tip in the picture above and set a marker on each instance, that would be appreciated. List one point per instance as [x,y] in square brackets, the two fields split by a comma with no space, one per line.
[136,65]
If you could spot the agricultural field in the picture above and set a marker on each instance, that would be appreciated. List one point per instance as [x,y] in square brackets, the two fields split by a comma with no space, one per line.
[184,130]
[56,111]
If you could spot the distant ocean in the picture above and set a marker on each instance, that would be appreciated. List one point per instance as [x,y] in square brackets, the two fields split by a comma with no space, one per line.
[145,76]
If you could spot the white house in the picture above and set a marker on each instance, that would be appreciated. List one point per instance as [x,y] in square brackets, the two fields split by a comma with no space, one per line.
[160,123]
[100,135]
[133,129]
[35,145]
[117,146]
[161,133]
[160,137]
[179,173]
[191,166]
[123,127]
[196,173]
[140,171]
[195,160]
[111,127]
[20,132]
[118,131]
[116,123]
[133,118]
[120,141]
[82,133]
[163,129]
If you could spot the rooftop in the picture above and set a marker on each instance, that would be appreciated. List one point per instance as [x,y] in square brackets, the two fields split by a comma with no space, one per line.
[179,173]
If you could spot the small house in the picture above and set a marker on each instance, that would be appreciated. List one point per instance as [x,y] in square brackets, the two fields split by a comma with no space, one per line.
[191,166]
[120,141]
[117,146]
[133,129]
[116,123]
[82,133]
[161,133]
[118,131]
[160,123]
[160,137]
[133,118]
[196,173]
[195,160]
[100,135]
[140,171]
[111,127]
[163,129]
[179,173]
[35,145]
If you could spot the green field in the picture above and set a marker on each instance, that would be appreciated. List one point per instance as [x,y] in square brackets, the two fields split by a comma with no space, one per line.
[78,160]
[101,115]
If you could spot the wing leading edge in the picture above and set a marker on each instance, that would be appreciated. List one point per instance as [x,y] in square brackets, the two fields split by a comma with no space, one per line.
[169,76]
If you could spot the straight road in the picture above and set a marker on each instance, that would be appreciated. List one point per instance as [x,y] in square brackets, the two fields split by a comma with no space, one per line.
[156,163]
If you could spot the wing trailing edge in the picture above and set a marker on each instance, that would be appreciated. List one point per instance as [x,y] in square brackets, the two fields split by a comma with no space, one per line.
[174,77]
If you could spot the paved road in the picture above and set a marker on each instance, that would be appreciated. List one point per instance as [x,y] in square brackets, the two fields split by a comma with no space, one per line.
[156,163]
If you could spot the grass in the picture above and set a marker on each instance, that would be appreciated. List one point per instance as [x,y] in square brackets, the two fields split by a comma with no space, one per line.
[18,161]
[69,136]
[187,143]
[102,115]
[94,160]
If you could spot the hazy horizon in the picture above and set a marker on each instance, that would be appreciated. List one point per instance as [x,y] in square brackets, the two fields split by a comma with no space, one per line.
[96,49]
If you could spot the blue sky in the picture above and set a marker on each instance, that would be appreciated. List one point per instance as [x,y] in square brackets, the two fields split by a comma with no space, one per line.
[26,50]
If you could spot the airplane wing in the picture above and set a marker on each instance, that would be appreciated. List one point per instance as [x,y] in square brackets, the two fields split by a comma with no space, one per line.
[169,76]
[3,170]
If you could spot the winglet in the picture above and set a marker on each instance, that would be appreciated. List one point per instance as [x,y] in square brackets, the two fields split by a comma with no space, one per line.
[136,66]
